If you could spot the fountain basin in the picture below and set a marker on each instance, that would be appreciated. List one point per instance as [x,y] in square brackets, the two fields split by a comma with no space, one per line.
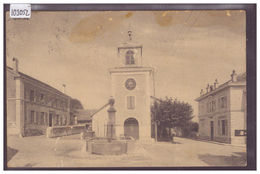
[103,147]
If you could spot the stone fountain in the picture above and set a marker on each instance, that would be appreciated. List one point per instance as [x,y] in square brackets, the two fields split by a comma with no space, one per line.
[110,145]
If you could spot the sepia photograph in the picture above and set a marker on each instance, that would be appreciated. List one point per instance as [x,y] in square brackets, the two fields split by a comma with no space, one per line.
[126,88]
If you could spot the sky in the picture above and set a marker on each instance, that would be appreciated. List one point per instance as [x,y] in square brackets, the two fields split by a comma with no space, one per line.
[187,49]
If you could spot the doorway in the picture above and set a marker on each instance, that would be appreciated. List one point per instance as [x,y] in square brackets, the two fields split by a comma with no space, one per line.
[131,128]
[50,120]
[211,130]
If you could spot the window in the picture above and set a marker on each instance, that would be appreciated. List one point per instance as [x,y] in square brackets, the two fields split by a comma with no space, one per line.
[50,102]
[222,102]
[42,118]
[60,123]
[58,103]
[62,104]
[32,95]
[37,120]
[129,58]
[211,106]
[27,94]
[202,109]
[130,102]
[57,120]
[223,127]
[46,118]
[32,116]
[42,99]
[54,103]
[65,120]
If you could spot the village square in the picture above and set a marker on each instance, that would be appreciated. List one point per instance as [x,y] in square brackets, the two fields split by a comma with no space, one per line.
[126,89]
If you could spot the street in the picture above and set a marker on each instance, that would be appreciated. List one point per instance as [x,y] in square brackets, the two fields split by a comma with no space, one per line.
[37,151]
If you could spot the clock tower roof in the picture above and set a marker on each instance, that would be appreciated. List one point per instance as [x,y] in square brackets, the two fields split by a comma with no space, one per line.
[129,43]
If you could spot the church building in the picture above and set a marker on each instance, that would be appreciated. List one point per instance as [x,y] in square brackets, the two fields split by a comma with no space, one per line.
[130,87]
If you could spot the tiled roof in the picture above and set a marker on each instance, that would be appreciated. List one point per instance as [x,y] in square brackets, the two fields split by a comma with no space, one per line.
[84,114]
[39,82]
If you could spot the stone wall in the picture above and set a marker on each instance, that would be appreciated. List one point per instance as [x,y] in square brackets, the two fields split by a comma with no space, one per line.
[64,130]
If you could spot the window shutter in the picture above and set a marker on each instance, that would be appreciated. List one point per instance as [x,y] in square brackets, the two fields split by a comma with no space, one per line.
[36,117]
[46,118]
[36,97]
[29,116]
[225,101]
[219,127]
[128,102]
[132,102]
[226,128]
[32,117]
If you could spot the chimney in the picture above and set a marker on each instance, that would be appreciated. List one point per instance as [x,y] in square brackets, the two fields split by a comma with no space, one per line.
[234,76]
[216,84]
[64,88]
[201,92]
[15,65]
[207,88]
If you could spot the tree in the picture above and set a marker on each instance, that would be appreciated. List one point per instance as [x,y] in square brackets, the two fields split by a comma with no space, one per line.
[191,129]
[75,104]
[169,113]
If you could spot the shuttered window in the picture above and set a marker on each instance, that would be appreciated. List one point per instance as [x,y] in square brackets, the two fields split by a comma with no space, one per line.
[32,119]
[32,95]
[130,102]
[46,118]
[37,120]
[42,118]
[223,127]
[42,98]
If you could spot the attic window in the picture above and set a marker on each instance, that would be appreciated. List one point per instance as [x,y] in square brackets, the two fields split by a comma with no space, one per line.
[129,58]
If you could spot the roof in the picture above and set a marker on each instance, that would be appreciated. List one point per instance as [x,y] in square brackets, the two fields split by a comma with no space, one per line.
[130,44]
[39,82]
[84,114]
[241,81]
[130,69]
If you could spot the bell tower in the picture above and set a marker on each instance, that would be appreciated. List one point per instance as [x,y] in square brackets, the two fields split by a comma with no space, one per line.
[129,53]
[130,87]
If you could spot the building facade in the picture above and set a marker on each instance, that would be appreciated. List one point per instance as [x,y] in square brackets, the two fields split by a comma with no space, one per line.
[32,105]
[222,111]
[130,87]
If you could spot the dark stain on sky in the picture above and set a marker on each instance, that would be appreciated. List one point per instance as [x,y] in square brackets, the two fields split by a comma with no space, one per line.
[129,14]
[105,23]
[97,25]
[163,18]
[228,18]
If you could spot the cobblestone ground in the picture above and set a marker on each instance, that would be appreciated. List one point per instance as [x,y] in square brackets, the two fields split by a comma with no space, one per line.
[70,152]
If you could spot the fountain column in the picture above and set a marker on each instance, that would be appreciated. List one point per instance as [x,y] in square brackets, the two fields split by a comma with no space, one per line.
[111,126]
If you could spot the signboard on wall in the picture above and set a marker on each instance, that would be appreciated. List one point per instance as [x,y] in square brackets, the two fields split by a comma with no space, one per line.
[240,132]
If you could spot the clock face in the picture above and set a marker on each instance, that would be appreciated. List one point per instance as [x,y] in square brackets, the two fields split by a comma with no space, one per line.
[130,84]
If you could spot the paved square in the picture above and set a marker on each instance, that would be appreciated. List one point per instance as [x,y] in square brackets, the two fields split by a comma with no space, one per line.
[69,152]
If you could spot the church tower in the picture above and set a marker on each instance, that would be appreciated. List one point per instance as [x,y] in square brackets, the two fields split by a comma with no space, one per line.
[130,87]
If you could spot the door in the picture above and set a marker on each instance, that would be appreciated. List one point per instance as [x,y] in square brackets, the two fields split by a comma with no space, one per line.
[211,130]
[131,128]
[50,120]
